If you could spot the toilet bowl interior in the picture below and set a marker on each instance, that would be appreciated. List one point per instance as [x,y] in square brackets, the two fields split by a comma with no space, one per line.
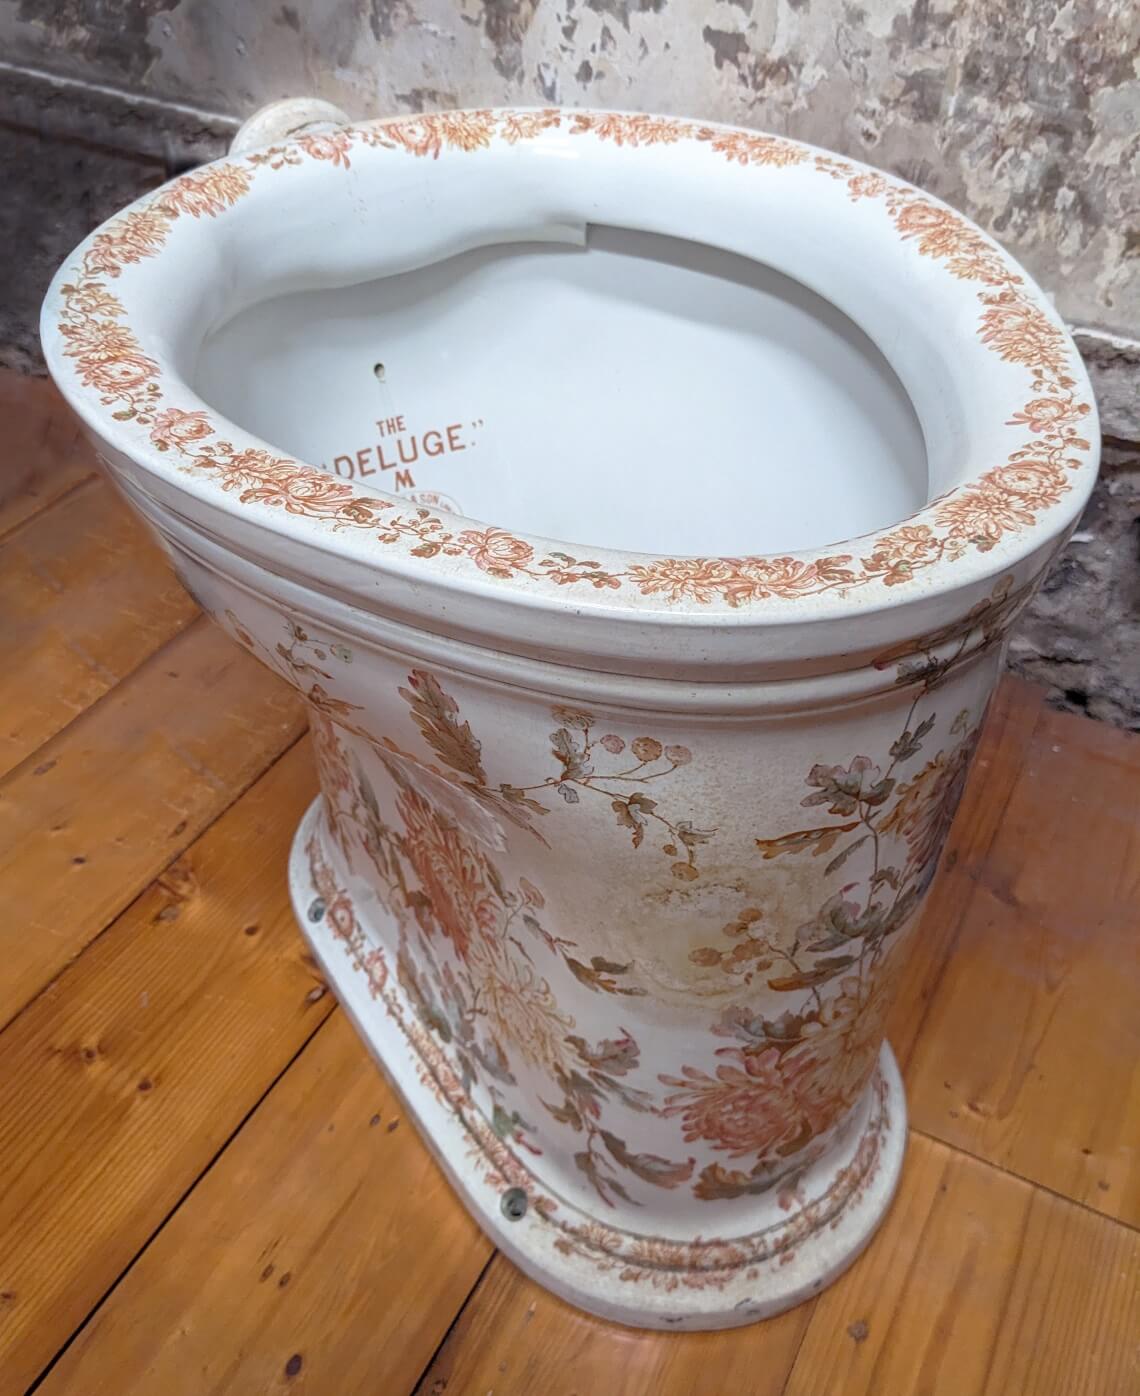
[642,392]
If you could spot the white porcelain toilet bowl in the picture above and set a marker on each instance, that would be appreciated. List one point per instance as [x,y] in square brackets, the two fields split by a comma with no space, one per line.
[640,507]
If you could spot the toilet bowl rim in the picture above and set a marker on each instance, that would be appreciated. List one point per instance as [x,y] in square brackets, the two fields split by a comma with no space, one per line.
[984,527]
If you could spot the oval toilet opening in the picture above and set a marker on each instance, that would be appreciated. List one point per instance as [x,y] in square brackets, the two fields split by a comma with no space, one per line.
[644,393]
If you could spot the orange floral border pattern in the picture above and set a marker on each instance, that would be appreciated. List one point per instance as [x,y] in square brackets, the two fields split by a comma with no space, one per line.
[1005,500]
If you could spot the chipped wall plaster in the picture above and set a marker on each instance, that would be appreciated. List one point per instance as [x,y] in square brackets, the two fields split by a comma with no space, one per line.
[1023,113]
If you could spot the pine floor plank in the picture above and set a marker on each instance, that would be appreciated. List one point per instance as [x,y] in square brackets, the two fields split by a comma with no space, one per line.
[1030,1053]
[97,812]
[1072,1321]
[978,1284]
[514,1338]
[921,1308]
[43,453]
[323,1252]
[120,1082]
[85,597]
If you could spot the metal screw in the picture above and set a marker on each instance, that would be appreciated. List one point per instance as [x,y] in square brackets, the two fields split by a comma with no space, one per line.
[317,909]
[513,1204]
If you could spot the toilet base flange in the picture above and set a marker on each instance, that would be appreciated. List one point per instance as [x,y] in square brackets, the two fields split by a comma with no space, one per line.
[645,1282]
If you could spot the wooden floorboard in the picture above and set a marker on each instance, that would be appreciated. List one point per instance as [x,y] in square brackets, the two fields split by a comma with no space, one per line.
[968,1257]
[93,816]
[1071,1321]
[1030,1054]
[43,453]
[323,1247]
[120,1083]
[85,597]
[514,1337]
[206,1187]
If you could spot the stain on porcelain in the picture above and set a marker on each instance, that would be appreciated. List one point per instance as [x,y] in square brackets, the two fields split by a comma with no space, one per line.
[618,852]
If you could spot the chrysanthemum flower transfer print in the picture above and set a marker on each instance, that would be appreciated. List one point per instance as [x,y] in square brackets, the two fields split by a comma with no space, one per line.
[792,1048]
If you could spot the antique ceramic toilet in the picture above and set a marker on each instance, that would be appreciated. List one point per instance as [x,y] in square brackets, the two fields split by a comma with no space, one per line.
[640,506]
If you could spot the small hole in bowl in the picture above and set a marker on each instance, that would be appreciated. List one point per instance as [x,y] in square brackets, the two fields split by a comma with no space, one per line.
[378,370]
[513,1204]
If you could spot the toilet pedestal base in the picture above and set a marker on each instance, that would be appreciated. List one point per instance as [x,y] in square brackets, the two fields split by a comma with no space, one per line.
[794,1245]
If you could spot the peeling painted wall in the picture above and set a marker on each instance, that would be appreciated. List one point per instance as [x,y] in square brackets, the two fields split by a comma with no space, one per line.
[1024,113]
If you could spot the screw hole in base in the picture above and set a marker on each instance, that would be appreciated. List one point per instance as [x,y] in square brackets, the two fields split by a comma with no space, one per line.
[513,1204]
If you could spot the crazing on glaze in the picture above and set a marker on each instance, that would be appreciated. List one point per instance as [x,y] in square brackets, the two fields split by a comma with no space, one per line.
[1006,500]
